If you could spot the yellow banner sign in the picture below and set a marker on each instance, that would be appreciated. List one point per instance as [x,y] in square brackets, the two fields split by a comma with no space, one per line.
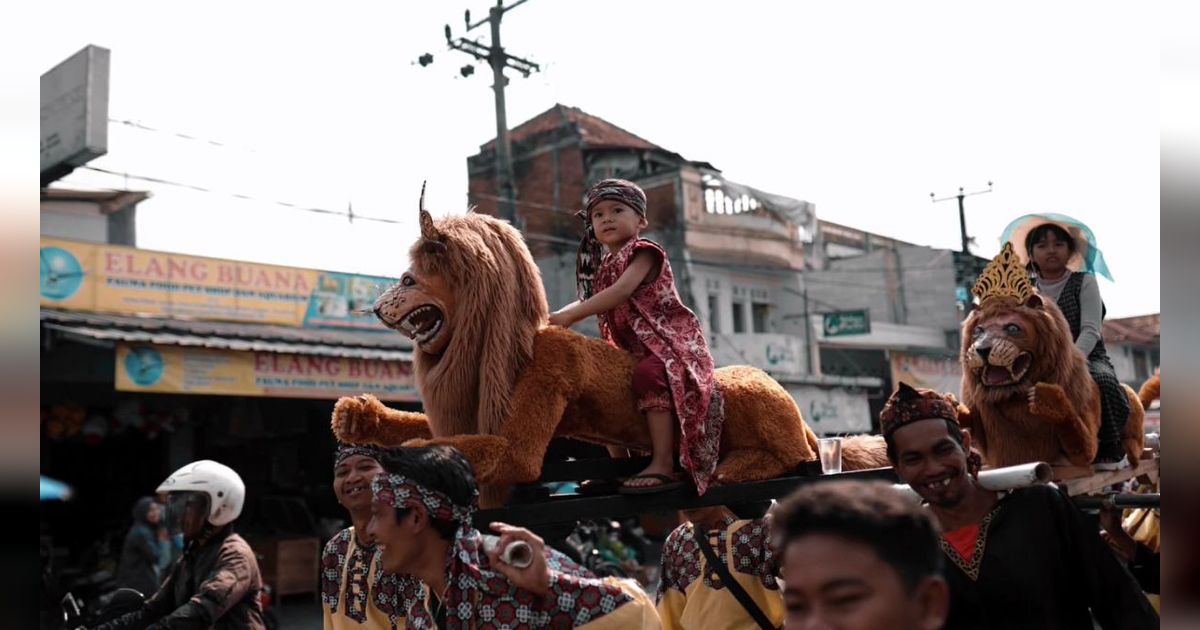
[116,279]
[182,370]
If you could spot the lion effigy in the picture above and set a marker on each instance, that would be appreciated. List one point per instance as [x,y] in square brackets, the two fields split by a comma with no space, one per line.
[1026,389]
[1150,390]
[499,384]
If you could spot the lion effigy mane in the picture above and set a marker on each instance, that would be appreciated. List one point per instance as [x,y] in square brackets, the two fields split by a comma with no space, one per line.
[1026,387]
[499,384]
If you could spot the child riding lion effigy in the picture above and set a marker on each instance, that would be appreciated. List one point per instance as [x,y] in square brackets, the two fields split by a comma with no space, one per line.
[1027,389]
[498,383]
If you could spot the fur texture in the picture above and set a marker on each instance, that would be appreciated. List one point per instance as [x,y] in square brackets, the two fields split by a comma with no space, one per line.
[505,384]
[1150,390]
[1027,390]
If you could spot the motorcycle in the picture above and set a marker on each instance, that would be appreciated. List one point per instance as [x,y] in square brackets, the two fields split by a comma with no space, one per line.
[77,614]
[609,548]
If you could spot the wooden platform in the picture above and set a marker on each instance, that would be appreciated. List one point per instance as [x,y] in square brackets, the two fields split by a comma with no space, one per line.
[1080,480]
[533,506]
[536,509]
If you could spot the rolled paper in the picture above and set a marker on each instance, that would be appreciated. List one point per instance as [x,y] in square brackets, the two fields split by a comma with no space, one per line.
[1000,479]
[518,553]
[1010,477]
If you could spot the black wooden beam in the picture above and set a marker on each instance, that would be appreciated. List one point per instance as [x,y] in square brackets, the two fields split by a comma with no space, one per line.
[560,509]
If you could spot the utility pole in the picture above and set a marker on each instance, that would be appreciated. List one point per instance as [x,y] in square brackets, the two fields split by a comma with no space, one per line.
[813,364]
[498,60]
[962,217]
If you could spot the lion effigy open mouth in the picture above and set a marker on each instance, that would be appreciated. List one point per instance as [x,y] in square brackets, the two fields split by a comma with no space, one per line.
[422,324]
[999,375]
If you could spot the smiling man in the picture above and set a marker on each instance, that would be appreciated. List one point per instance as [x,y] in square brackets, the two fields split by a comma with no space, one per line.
[858,556]
[354,590]
[1021,559]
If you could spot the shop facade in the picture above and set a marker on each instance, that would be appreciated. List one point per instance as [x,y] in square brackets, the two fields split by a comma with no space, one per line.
[150,360]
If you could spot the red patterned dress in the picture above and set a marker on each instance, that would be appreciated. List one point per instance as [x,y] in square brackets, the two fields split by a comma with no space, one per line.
[658,330]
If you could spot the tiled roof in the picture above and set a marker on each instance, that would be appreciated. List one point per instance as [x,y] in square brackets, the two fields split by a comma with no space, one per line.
[230,336]
[596,132]
[1141,330]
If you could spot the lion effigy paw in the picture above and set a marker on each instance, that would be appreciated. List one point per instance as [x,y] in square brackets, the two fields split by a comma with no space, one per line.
[356,419]
[1049,401]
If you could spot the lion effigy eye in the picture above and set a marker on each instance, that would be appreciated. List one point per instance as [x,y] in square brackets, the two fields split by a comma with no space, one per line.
[1012,329]
[407,281]
[977,331]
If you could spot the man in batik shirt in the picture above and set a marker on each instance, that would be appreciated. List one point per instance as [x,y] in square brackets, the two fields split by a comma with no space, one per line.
[351,578]
[421,522]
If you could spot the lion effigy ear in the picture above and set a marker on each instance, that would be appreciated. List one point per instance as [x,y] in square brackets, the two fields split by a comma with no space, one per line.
[433,239]
[1034,301]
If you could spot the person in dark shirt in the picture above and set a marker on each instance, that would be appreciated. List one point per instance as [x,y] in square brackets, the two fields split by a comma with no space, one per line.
[216,583]
[146,551]
[1021,559]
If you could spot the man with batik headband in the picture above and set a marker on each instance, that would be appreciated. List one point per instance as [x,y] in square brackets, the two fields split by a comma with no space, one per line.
[1020,559]
[421,521]
[352,581]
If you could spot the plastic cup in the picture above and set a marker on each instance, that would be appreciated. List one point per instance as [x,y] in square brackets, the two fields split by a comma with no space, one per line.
[830,450]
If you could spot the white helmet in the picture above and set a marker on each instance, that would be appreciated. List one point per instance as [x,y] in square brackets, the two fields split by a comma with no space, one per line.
[225,490]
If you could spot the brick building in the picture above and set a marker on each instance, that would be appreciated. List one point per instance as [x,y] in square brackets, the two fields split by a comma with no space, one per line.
[737,252]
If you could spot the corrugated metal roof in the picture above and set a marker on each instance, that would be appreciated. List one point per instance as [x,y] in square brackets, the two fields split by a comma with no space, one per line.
[388,346]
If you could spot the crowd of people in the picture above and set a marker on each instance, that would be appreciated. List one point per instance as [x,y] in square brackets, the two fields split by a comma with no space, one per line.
[834,554]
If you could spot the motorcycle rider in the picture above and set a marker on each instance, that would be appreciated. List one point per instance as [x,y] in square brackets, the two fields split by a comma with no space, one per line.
[216,582]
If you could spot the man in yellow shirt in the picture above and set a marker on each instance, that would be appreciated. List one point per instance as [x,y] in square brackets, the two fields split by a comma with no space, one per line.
[355,593]
[692,593]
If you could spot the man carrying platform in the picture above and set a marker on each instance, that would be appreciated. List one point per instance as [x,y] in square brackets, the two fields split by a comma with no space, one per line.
[1019,559]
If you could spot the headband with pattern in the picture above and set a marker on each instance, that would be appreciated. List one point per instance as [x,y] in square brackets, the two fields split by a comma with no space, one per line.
[399,491]
[344,451]
[587,261]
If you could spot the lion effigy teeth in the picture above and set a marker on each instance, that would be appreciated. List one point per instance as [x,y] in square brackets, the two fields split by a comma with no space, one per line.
[974,361]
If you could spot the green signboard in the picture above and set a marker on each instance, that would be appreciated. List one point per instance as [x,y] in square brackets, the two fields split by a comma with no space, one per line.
[847,323]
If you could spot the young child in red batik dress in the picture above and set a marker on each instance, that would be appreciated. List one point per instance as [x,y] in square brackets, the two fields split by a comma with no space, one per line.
[633,295]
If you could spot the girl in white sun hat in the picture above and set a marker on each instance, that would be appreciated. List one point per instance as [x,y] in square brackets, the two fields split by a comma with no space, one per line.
[1062,255]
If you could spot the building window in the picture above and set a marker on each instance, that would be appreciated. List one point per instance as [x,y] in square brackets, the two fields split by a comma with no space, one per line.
[1141,364]
[714,312]
[760,313]
[739,317]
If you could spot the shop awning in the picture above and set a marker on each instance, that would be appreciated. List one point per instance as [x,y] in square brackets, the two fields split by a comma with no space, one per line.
[110,329]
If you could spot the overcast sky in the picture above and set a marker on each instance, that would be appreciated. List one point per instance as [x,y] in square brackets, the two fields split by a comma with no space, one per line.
[862,108]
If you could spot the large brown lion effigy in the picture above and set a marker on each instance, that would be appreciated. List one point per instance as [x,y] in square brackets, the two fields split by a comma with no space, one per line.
[499,384]
[1027,389]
